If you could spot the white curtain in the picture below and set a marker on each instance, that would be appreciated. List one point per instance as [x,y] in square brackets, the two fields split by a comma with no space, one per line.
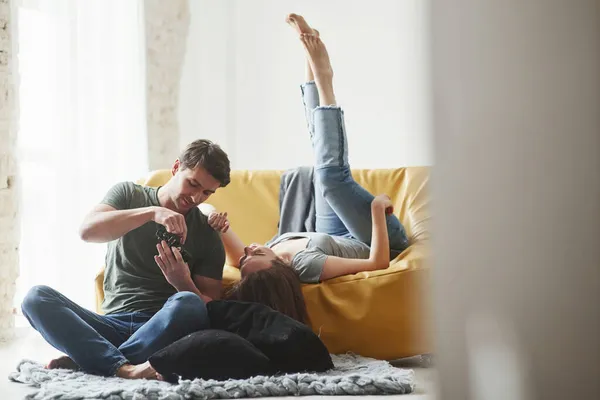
[82,129]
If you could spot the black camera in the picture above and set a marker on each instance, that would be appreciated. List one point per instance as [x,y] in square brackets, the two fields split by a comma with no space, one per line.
[173,241]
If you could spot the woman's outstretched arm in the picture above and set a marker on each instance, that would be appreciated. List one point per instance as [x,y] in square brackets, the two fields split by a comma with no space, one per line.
[234,247]
[379,257]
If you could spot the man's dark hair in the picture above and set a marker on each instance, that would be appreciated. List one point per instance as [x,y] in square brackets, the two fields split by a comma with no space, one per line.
[210,156]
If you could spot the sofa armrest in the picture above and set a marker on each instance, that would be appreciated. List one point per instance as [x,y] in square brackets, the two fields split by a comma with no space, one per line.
[99,282]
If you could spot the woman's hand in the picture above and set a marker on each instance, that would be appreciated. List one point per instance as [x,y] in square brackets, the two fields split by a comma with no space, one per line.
[218,221]
[383,202]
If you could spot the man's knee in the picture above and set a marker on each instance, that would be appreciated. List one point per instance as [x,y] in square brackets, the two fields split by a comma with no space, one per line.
[186,299]
[188,308]
[35,299]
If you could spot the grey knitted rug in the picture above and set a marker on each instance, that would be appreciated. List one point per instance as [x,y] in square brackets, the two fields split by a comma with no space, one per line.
[352,375]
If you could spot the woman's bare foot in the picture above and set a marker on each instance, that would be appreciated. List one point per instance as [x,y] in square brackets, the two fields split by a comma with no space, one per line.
[301,26]
[320,64]
[63,362]
[140,371]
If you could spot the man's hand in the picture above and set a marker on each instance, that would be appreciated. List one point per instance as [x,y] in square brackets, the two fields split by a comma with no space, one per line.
[218,221]
[172,221]
[173,267]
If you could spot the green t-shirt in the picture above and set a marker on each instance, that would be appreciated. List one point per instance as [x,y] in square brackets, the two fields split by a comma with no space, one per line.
[132,280]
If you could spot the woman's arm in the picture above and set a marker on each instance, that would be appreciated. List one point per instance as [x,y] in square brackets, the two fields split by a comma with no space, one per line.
[379,256]
[380,242]
[234,247]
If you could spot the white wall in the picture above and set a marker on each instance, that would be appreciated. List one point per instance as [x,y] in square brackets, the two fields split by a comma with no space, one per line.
[244,65]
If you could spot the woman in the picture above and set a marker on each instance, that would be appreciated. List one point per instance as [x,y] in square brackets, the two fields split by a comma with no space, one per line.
[355,231]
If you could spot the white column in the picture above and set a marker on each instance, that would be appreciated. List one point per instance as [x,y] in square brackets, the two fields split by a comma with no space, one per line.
[517,198]
[167,24]
[9,208]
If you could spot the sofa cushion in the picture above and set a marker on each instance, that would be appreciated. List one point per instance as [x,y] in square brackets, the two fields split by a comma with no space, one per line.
[290,345]
[210,354]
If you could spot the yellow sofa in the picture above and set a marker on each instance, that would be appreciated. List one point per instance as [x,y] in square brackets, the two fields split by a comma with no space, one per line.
[381,314]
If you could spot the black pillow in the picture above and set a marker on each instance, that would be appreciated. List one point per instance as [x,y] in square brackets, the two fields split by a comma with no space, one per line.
[210,354]
[290,345]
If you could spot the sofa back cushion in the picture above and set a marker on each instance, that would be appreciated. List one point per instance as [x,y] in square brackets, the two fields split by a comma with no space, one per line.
[252,198]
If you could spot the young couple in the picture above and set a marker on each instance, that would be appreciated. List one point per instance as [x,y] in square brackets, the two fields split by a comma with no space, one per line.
[153,297]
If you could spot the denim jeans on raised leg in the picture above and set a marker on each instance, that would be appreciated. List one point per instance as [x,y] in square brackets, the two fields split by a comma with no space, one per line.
[100,344]
[343,207]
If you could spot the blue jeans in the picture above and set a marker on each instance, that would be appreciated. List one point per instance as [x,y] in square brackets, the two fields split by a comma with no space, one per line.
[343,207]
[100,344]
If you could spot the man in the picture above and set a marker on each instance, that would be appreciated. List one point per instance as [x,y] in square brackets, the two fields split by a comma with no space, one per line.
[152,297]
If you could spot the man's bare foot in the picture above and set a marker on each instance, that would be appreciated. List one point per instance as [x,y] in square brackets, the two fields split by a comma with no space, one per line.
[320,65]
[300,25]
[140,371]
[63,362]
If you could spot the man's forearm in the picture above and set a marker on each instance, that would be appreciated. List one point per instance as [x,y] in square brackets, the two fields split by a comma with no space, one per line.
[104,226]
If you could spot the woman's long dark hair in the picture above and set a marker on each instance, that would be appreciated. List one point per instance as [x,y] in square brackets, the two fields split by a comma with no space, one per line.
[277,287]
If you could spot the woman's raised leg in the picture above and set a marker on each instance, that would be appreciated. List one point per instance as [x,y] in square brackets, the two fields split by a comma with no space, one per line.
[327,221]
[350,201]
